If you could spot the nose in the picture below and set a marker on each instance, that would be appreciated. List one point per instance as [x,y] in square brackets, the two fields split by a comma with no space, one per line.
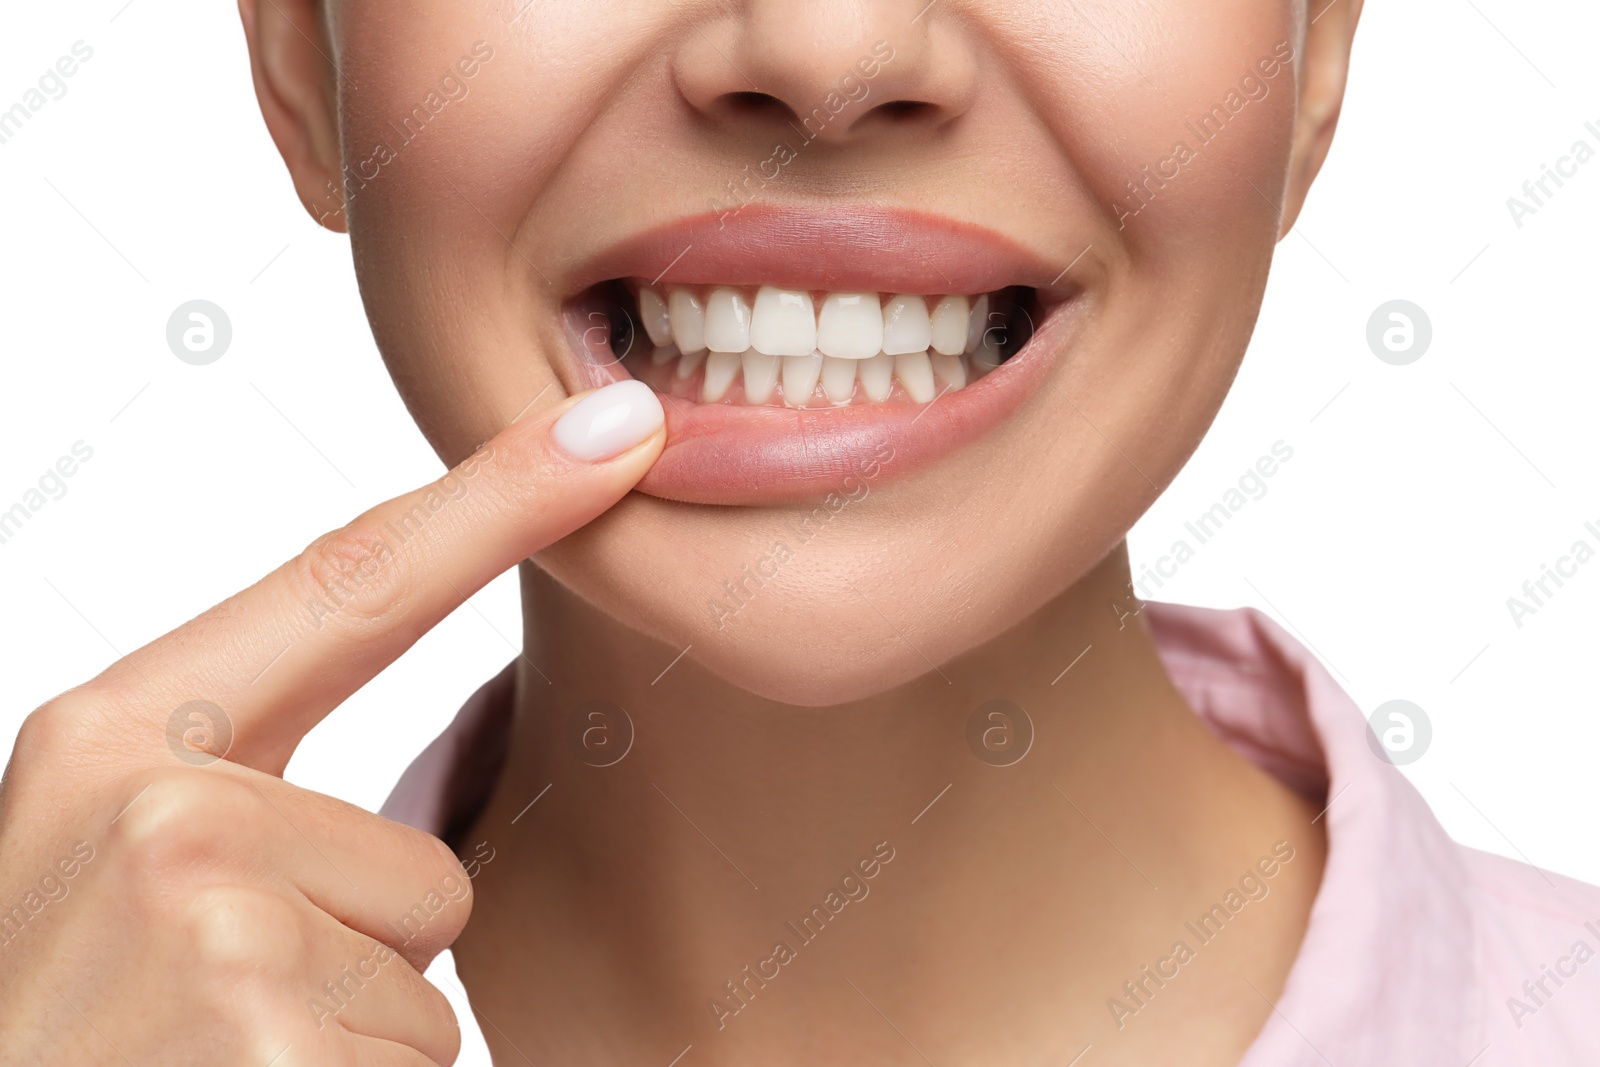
[834,70]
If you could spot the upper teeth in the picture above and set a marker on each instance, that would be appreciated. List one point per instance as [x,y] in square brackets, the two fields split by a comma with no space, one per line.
[784,323]
[870,337]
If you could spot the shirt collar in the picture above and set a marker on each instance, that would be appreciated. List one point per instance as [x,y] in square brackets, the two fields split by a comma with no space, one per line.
[1387,970]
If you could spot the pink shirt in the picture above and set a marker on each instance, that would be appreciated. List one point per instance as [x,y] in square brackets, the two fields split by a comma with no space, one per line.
[1420,950]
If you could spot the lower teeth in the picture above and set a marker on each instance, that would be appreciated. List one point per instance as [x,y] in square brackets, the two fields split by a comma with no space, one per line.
[816,380]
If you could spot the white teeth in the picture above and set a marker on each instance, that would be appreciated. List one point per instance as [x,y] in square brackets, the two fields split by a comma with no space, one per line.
[721,369]
[838,379]
[948,369]
[950,325]
[653,310]
[784,323]
[800,374]
[689,364]
[986,358]
[688,318]
[850,326]
[916,375]
[877,376]
[760,376]
[783,334]
[727,321]
[977,322]
[905,325]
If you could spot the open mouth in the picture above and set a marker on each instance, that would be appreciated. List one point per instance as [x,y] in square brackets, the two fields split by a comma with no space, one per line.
[765,345]
[795,348]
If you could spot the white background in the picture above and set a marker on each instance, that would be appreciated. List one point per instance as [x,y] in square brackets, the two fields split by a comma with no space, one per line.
[1418,500]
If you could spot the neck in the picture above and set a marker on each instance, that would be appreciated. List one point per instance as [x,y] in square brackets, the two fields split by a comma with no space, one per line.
[1022,831]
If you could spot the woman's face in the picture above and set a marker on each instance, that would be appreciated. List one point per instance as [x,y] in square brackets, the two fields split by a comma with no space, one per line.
[1110,176]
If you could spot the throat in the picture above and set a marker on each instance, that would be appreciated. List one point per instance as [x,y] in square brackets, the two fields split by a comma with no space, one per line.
[700,866]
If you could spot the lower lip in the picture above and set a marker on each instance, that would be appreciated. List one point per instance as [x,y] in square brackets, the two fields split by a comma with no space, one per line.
[747,455]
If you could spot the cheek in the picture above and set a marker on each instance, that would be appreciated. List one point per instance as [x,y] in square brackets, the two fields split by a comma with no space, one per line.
[1188,169]
[440,183]
[1150,110]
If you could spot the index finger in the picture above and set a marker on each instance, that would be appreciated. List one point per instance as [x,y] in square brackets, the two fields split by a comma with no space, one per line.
[278,656]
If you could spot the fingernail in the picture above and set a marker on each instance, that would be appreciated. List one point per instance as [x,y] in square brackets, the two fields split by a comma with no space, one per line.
[609,421]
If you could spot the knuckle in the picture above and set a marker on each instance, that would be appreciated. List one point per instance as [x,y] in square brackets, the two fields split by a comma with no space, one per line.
[243,931]
[451,882]
[443,860]
[444,1029]
[295,1045]
[68,724]
[174,821]
[353,574]
[427,854]
[437,914]
[44,737]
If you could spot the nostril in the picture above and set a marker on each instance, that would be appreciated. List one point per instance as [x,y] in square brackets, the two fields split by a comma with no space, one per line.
[753,104]
[905,110]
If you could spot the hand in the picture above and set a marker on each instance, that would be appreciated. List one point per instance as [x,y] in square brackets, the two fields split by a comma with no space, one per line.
[160,905]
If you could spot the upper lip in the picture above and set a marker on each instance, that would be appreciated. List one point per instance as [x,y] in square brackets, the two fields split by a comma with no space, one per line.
[845,249]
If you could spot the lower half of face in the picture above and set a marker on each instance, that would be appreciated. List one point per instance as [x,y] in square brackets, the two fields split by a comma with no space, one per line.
[936,297]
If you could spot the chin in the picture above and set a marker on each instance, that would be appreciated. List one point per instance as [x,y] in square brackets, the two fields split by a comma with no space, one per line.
[902,582]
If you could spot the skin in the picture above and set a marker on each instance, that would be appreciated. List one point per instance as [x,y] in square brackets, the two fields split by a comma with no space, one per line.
[1173,294]
[183,908]
[810,727]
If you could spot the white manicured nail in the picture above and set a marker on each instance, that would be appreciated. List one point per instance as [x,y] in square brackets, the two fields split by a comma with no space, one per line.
[609,421]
